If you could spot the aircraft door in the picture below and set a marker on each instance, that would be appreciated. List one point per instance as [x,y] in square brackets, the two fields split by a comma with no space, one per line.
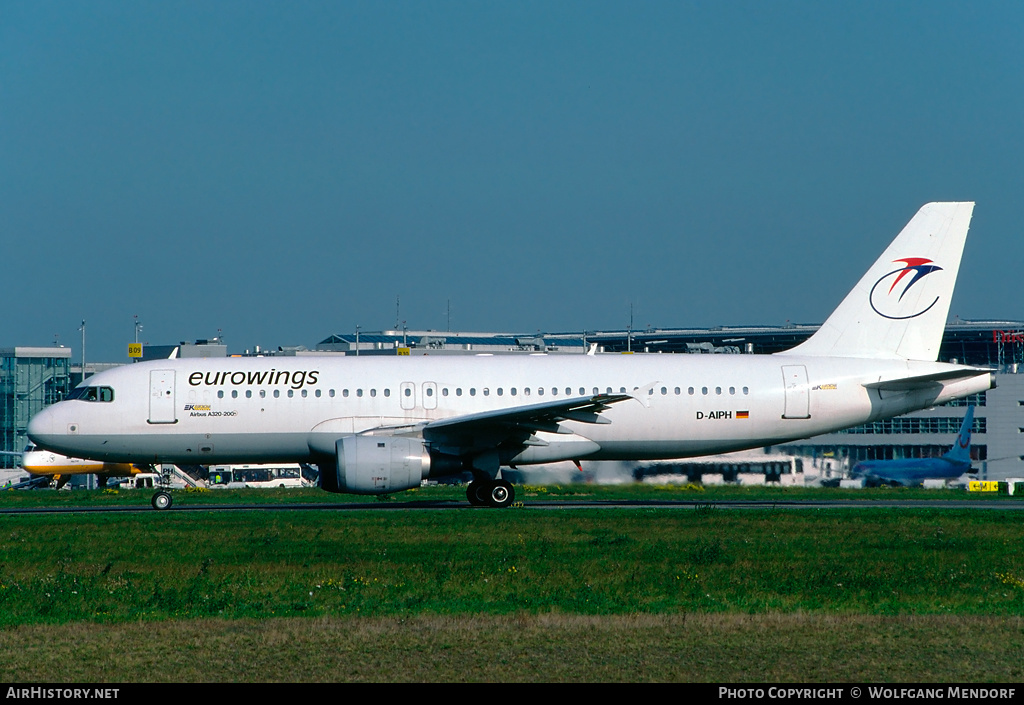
[407,393]
[798,402]
[161,397]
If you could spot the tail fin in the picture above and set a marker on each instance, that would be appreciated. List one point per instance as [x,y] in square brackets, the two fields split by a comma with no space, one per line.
[961,450]
[899,308]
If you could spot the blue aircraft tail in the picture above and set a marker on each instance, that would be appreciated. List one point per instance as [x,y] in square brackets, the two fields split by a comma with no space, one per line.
[961,450]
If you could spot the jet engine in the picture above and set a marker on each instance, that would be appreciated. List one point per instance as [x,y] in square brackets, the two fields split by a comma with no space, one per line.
[377,464]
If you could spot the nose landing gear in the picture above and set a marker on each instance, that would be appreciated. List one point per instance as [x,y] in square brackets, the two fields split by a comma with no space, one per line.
[162,500]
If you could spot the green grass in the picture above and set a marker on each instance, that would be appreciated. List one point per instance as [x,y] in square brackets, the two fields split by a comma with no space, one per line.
[693,593]
[250,564]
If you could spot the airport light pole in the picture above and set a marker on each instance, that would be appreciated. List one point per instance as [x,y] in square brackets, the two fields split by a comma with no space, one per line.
[83,348]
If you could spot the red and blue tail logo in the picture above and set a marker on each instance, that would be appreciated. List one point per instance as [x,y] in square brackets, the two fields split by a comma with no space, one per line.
[887,301]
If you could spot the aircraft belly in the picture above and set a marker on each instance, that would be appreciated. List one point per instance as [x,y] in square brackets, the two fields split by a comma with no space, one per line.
[669,449]
[197,448]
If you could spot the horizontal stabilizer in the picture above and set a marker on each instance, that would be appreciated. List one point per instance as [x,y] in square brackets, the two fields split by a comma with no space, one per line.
[907,384]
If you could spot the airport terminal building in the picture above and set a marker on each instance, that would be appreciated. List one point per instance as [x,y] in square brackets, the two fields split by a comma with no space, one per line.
[30,379]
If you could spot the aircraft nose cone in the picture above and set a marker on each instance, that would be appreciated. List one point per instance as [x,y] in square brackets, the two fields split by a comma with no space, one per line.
[40,426]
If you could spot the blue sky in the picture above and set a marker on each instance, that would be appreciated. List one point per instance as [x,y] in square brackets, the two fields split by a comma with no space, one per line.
[280,171]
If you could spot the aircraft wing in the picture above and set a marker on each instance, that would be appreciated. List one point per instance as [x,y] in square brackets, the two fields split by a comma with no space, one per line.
[491,428]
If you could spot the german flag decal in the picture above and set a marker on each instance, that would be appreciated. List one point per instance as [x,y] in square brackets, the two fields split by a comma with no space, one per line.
[743,414]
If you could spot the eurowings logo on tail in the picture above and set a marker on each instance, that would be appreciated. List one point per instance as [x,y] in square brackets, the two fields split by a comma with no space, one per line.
[888,301]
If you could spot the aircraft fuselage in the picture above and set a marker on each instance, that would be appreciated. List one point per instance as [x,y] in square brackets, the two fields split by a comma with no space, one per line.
[294,409]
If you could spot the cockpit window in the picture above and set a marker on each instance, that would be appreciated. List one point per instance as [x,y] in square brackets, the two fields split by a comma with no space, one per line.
[91,394]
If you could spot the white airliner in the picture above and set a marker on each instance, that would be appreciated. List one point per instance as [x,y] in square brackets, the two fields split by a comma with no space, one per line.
[383,424]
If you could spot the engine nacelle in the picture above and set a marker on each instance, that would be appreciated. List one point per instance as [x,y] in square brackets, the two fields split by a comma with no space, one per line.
[378,464]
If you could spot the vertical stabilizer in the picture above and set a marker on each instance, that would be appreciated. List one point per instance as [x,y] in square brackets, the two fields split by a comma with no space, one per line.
[899,308]
[961,450]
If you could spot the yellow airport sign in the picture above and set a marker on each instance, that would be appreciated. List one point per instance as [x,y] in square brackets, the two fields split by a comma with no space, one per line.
[983,486]
[134,349]
[403,351]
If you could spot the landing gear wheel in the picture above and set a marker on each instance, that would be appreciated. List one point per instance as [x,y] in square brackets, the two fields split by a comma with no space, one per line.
[162,500]
[477,493]
[501,494]
[490,493]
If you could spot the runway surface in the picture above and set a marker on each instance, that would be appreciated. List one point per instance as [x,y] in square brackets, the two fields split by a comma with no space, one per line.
[182,505]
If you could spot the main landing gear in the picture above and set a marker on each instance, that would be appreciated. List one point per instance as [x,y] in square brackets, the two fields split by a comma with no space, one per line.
[490,493]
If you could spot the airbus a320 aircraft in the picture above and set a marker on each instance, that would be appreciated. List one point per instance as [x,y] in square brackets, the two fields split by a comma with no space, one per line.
[381,424]
[914,471]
